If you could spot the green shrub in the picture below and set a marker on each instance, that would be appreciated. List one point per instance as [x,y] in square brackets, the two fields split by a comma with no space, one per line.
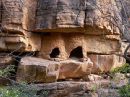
[22,90]
[125,91]
[6,92]
[16,89]
[5,72]
[124,69]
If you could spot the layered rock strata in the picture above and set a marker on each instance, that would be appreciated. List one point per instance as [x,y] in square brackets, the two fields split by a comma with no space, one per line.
[37,70]
[72,37]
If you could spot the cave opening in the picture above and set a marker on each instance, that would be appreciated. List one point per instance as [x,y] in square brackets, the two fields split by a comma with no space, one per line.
[76,53]
[55,53]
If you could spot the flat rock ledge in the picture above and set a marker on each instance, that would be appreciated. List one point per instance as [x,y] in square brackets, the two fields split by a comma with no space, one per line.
[40,70]
[77,89]
[37,70]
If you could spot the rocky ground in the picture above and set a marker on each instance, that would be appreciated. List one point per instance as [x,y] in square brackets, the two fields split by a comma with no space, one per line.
[97,86]
[65,48]
[73,85]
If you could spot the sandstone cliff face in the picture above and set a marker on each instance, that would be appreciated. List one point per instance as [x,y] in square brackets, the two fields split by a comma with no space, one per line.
[72,16]
[79,34]
[11,16]
[60,16]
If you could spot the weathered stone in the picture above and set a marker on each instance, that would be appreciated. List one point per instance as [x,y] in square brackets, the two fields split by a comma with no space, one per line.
[103,44]
[78,89]
[123,47]
[63,16]
[5,60]
[37,70]
[82,16]
[93,77]
[74,69]
[60,14]
[69,68]
[34,42]
[66,43]
[12,16]
[104,63]
[86,26]
[96,21]
[87,16]
[71,89]
[29,14]
[51,42]
[41,70]
[11,42]
[73,42]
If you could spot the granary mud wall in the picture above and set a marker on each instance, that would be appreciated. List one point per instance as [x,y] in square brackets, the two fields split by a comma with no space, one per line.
[72,37]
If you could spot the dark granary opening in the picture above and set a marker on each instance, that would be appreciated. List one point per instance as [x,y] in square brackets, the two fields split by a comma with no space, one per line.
[55,52]
[76,53]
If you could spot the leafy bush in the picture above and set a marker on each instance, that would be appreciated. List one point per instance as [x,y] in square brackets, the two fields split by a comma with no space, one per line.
[124,69]
[6,92]
[18,91]
[125,91]
[5,72]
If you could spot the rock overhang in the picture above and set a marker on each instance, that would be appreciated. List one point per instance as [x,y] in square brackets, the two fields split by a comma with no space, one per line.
[68,27]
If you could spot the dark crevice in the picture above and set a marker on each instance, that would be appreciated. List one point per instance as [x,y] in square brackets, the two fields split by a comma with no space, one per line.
[76,53]
[55,53]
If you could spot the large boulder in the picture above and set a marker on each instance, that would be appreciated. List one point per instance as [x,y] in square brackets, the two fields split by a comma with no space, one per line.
[74,69]
[37,70]
[33,69]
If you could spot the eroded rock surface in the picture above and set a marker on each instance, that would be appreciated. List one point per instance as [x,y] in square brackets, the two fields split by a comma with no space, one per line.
[11,11]
[72,38]
[78,89]
[39,70]
[105,63]
[73,16]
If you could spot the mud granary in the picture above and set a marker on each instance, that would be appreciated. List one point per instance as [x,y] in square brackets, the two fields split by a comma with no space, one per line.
[72,38]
